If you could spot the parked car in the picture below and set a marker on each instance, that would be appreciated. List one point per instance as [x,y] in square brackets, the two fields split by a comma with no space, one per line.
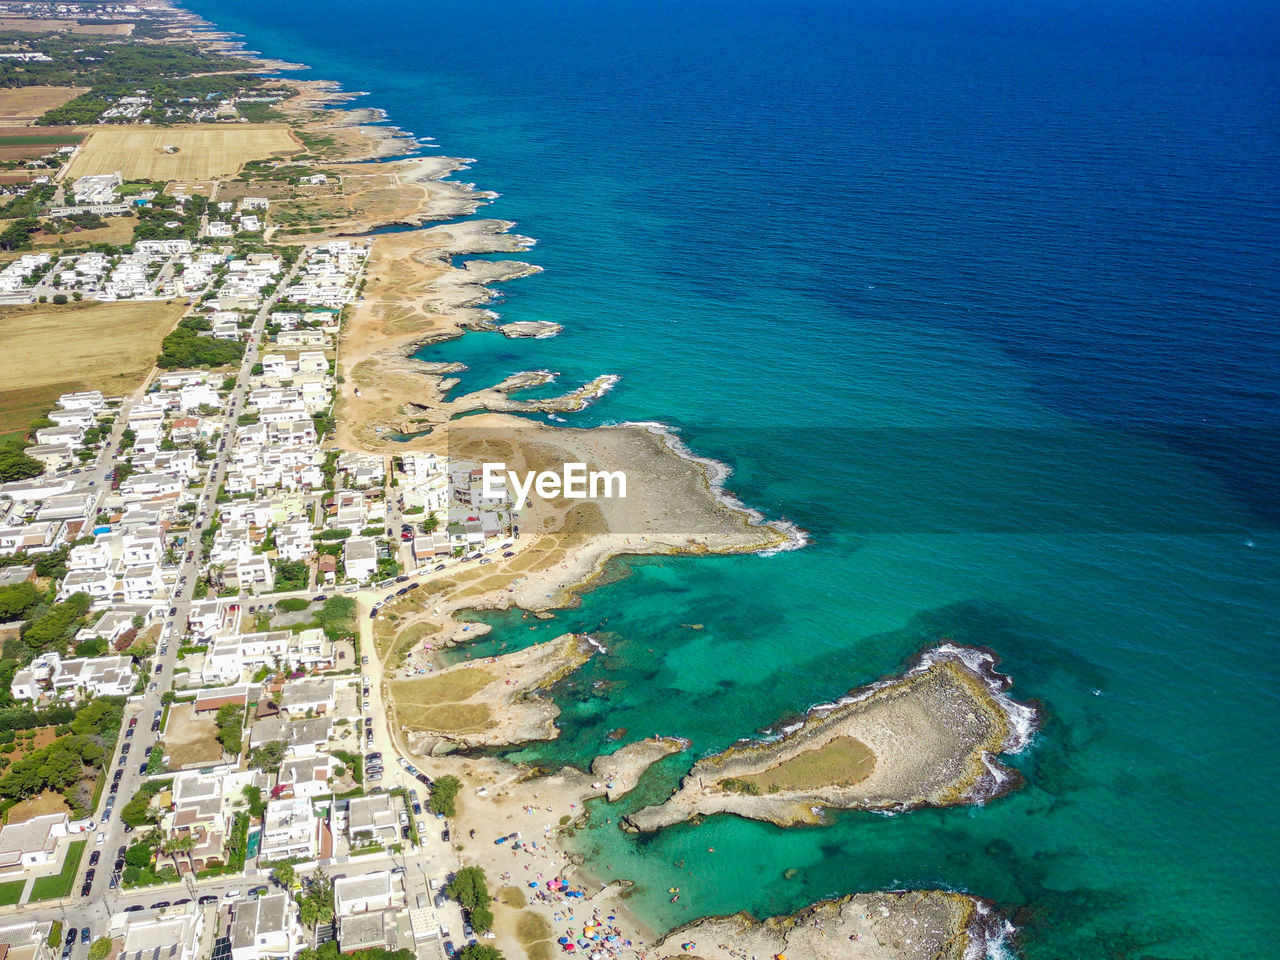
[207,899]
[133,909]
[160,905]
[94,858]
[133,721]
[85,890]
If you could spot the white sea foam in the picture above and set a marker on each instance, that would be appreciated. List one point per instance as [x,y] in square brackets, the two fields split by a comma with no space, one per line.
[989,935]
[717,473]
[593,642]
[1023,719]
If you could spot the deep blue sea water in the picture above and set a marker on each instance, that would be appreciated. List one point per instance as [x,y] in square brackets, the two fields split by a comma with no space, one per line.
[984,296]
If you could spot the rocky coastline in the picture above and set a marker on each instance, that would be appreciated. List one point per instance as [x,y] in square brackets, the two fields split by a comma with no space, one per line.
[928,738]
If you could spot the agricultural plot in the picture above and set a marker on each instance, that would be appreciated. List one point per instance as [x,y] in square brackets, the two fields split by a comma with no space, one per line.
[20,106]
[101,346]
[24,143]
[194,152]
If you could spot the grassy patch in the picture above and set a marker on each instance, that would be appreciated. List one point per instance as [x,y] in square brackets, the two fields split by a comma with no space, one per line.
[59,884]
[447,687]
[448,718]
[11,892]
[842,762]
[512,897]
[535,934]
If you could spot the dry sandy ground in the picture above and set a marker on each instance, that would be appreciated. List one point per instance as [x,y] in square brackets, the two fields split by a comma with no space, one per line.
[21,106]
[37,806]
[117,232]
[203,150]
[189,739]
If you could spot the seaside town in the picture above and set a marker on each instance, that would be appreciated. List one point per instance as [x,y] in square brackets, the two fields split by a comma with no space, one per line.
[228,723]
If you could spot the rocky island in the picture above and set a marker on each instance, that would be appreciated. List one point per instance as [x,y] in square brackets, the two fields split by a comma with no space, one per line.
[928,738]
[934,924]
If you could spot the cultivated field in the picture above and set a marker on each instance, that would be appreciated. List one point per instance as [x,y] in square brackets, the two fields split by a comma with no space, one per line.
[51,350]
[34,25]
[23,143]
[20,106]
[196,151]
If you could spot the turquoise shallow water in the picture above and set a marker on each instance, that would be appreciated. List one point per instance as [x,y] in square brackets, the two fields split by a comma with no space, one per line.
[983,297]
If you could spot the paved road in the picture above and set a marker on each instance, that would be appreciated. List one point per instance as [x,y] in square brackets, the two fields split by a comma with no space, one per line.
[130,758]
[433,860]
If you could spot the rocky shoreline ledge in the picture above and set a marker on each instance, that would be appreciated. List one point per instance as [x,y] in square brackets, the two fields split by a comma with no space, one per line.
[928,738]
[896,925]
[488,703]
[622,769]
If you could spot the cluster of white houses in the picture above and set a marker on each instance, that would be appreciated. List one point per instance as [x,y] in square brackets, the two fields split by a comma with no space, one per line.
[328,275]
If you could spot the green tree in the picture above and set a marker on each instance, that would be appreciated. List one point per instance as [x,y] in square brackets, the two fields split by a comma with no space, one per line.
[17,599]
[16,465]
[444,793]
[480,951]
[269,756]
[468,888]
[285,875]
[230,721]
[482,919]
[99,949]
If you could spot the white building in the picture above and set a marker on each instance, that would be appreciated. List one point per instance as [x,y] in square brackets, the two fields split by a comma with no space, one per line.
[290,828]
[266,928]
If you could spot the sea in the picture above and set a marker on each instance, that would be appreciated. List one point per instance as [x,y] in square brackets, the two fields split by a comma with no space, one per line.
[982,296]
